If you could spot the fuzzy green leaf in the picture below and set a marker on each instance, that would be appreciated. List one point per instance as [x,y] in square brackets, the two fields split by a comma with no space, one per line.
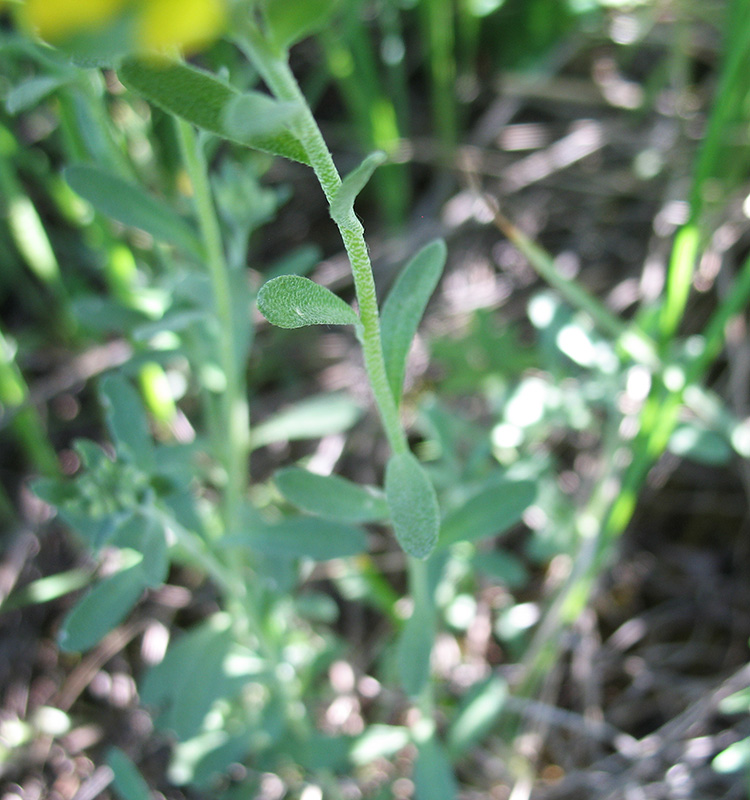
[404,307]
[128,782]
[331,496]
[250,115]
[291,301]
[131,205]
[202,99]
[414,508]
[102,609]
[414,650]
[308,537]
[126,419]
[342,204]
[289,21]
[488,513]
[433,773]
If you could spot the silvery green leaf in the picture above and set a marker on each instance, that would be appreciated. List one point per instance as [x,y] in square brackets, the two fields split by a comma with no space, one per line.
[253,114]
[342,204]
[404,307]
[414,508]
[331,496]
[289,21]
[132,205]
[291,301]
[201,98]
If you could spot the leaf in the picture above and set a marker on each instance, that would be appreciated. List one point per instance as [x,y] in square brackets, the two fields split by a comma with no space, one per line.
[331,496]
[379,741]
[342,203]
[433,774]
[252,114]
[404,307]
[126,418]
[308,537]
[413,503]
[477,715]
[145,535]
[128,782]
[201,98]
[131,205]
[102,609]
[185,696]
[414,652]
[488,513]
[289,21]
[25,95]
[317,416]
[696,442]
[291,301]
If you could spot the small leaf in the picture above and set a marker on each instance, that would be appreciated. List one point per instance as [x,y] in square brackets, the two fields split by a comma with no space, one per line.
[342,204]
[291,301]
[414,651]
[308,537]
[169,685]
[289,21]
[25,95]
[414,507]
[379,741]
[404,307]
[201,98]
[102,609]
[433,774]
[478,713]
[311,418]
[131,205]
[128,782]
[126,418]
[331,496]
[253,114]
[488,513]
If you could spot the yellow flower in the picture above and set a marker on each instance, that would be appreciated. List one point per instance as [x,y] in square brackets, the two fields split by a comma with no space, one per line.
[185,24]
[158,25]
[55,20]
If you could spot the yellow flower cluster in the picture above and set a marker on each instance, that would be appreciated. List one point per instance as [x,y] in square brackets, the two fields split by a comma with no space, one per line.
[158,25]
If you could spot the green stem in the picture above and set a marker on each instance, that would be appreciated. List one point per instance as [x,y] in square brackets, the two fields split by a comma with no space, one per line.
[282,83]
[232,435]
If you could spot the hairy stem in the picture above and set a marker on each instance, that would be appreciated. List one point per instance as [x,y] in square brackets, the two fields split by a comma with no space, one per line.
[280,80]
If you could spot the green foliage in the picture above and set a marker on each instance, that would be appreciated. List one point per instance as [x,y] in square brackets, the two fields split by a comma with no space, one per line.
[342,203]
[208,103]
[291,301]
[288,21]
[405,306]
[413,504]
[244,676]
[131,205]
[331,496]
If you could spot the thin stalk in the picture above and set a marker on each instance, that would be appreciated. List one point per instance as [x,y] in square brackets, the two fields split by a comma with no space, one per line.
[232,434]
[419,588]
[282,83]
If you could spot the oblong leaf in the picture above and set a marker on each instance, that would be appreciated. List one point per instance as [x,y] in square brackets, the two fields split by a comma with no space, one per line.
[311,418]
[413,504]
[433,773]
[414,651]
[404,307]
[102,609]
[201,98]
[330,496]
[490,512]
[309,537]
[289,21]
[342,203]
[128,782]
[291,301]
[130,204]
[253,114]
